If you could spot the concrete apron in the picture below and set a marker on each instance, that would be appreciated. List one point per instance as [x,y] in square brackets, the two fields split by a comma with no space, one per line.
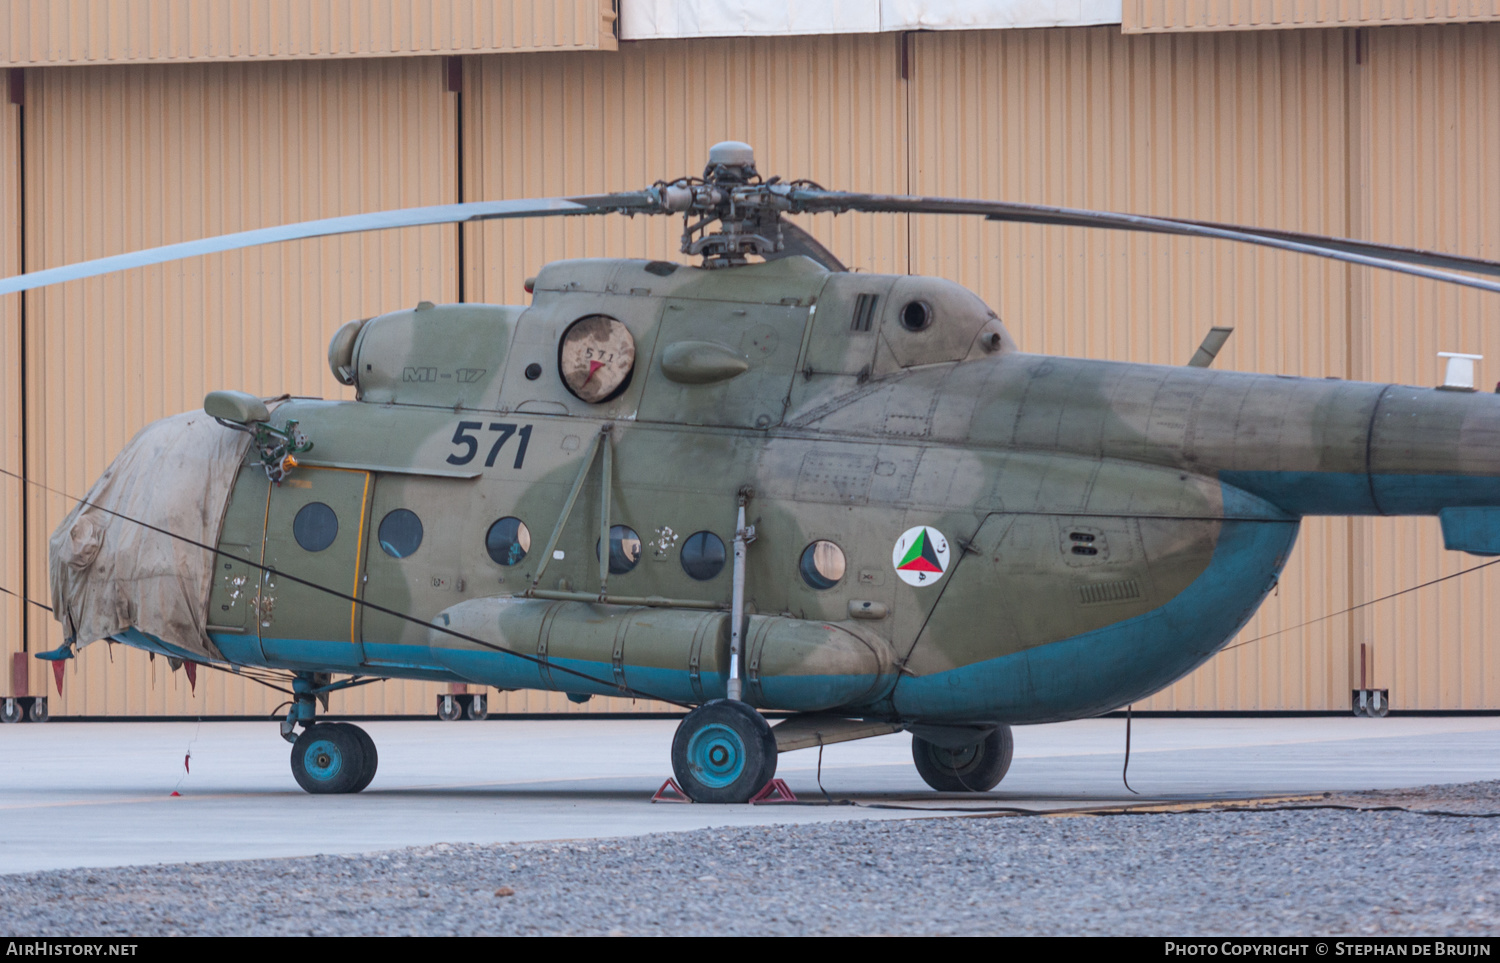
[99,794]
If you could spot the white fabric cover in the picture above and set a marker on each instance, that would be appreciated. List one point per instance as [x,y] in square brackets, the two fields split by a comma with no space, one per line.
[996,14]
[109,573]
[662,19]
[656,19]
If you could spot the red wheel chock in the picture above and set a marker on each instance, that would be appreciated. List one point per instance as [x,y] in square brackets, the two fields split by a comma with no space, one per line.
[775,791]
[670,786]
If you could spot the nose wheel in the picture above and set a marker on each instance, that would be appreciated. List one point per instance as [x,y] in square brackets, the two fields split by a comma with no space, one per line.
[723,752]
[334,757]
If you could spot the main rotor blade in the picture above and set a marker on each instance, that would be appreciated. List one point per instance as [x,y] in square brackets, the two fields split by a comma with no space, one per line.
[635,201]
[797,241]
[1424,264]
[1385,252]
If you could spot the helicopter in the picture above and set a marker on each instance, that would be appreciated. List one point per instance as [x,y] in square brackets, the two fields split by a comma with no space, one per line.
[758,483]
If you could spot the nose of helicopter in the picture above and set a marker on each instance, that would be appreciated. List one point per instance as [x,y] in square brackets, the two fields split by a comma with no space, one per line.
[134,560]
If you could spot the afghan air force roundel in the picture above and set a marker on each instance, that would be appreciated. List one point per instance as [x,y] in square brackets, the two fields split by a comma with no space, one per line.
[920,555]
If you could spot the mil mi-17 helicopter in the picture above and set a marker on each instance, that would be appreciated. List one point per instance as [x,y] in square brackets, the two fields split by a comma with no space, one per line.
[766,484]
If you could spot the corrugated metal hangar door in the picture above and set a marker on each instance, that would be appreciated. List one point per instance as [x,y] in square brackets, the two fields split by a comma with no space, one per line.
[1390,134]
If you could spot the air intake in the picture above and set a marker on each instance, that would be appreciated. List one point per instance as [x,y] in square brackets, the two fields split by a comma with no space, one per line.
[864,311]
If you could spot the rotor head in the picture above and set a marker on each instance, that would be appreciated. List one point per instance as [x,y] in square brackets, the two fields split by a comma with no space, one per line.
[730,162]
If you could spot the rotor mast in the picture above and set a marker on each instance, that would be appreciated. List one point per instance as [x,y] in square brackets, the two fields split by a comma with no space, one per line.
[732,194]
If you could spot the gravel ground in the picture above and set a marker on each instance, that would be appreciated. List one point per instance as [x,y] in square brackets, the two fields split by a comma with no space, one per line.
[1469,797]
[1310,872]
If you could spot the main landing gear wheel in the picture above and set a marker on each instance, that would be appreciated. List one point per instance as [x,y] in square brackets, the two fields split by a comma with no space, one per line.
[372,758]
[723,752]
[974,768]
[449,709]
[479,708]
[38,710]
[332,758]
[10,711]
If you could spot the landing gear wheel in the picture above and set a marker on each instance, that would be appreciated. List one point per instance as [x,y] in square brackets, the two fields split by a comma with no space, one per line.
[38,711]
[329,758]
[448,708]
[479,708]
[723,752]
[975,768]
[372,758]
[10,711]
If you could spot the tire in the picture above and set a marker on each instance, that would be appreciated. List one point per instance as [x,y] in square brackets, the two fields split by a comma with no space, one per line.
[479,708]
[38,711]
[976,768]
[328,758]
[372,758]
[10,711]
[723,752]
[448,708]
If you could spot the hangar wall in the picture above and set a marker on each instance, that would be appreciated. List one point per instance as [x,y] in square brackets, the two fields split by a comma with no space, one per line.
[16,674]
[1430,117]
[1212,16]
[39,33]
[1385,133]
[1181,126]
[122,158]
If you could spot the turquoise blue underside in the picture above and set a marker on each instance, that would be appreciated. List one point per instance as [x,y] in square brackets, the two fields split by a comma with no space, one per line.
[137,639]
[505,671]
[322,655]
[1072,678]
[1475,530]
[1076,677]
[796,692]
[1110,667]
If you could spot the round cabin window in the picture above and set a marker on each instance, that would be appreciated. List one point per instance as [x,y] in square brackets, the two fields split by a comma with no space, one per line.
[703,556]
[508,541]
[822,565]
[916,316]
[624,549]
[595,358]
[315,527]
[400,533]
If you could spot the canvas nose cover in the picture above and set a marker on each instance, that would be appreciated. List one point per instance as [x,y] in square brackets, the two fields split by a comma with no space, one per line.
[130,554]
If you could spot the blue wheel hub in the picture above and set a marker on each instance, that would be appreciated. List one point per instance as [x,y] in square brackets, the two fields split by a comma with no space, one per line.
[717,754]
[323,759]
